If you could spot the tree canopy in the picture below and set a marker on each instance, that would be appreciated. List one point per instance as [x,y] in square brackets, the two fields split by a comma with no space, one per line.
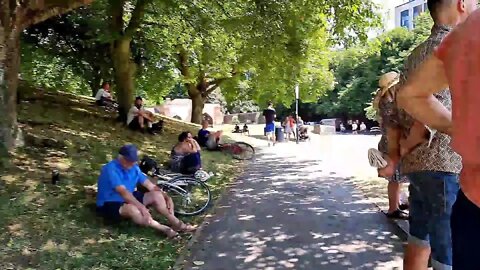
[262,48]
[358,68]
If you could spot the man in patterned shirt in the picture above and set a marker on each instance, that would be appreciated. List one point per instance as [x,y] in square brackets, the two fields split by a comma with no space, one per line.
[455,62]
[432,169]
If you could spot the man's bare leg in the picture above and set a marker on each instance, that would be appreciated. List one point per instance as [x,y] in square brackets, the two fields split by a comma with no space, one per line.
[393,196]
[157,200]
[131,212]
[416,257]
[141,121]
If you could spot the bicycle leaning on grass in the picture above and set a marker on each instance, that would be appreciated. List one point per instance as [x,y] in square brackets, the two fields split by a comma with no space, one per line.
[190,196]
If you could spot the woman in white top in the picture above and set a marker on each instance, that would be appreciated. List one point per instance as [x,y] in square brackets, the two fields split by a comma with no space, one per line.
[103,96]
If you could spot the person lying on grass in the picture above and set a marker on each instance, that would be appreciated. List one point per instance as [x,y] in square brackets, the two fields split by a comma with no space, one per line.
[185,156]
[117,199]
[208,139]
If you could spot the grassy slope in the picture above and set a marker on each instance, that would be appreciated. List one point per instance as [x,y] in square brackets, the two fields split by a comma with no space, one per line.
[54,227]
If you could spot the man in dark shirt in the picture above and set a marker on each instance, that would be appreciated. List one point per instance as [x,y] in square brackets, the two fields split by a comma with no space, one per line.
[270,115]
[208,139]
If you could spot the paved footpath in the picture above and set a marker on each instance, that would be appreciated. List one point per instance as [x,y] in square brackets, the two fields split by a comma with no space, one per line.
[293,209]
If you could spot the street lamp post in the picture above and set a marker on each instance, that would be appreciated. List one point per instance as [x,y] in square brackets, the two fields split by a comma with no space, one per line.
[297,94]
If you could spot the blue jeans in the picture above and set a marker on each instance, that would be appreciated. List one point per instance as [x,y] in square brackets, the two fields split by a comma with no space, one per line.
[191,163]
[432,195]
[465,233]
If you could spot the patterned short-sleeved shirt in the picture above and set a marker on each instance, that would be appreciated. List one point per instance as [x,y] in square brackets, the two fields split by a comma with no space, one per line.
[386,109]
[439,155]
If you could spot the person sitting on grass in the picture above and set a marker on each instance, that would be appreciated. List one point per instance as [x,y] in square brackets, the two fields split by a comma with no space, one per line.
[185,156]
[245,129]
[237,129]
[103,97]
[208,139]
[138,118]
[117,199]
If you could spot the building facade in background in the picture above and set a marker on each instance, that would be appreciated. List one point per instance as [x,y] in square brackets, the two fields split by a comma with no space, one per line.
[386,10]
[397,13]
[406,13]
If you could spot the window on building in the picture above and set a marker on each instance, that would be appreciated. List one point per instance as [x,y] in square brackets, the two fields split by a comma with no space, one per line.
[416,11]
[405,19]
[425,7]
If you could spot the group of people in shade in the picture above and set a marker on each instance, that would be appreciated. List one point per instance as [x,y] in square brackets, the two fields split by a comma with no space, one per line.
[138,118]
[118,199]
[431,139]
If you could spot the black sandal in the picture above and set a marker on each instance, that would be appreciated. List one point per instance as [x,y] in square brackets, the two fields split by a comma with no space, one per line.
[404,206]
[398,214]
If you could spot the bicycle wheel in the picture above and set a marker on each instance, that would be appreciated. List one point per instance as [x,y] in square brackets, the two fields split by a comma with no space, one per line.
[190,196]
[241,151]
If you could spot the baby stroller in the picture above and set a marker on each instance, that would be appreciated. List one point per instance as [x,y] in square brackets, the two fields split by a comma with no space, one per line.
[303,134]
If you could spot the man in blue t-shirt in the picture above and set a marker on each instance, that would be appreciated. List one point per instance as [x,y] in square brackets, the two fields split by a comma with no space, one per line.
[208,139]
[270,115]
[117,198]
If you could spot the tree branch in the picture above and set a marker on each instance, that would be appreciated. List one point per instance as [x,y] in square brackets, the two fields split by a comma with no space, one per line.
[137,17]
[183,62]
[37,12]
[215,83]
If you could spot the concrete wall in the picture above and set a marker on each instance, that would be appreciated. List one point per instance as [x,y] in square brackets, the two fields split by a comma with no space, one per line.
[249,118]
[323,130]
[182,109]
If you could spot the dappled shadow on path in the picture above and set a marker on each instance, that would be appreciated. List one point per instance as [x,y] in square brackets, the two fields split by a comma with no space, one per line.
[287,213]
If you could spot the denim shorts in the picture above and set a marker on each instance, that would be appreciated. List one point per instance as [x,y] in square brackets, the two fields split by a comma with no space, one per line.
[465,234]
[432,195]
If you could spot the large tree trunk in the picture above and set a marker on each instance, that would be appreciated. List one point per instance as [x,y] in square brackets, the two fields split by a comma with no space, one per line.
[9,67]
[124,69]
[198,103]
[14,18]
[96,81]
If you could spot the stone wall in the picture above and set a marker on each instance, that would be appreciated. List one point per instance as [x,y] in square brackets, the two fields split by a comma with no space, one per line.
[175,126]
[242,118]
[182,109]
[323,130]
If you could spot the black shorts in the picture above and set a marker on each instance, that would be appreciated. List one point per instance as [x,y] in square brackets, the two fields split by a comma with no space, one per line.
[135,124]
[465,224]
[110,211]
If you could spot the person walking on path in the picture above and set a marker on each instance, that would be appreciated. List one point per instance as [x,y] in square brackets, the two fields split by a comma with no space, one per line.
[432,168]
[456,62]
[384,103]
[270,115]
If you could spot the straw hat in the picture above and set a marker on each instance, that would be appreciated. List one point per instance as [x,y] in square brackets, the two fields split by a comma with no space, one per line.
[388,79]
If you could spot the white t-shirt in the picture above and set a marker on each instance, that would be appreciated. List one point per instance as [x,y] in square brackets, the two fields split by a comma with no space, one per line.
[363,127]
[102,93]
[131,114]
[354,127]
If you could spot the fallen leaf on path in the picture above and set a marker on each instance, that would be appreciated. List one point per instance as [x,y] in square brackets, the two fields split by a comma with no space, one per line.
[198,263]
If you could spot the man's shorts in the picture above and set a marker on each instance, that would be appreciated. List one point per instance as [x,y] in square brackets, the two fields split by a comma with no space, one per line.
[110,211]
[432,195]
[465,233]
[269,129]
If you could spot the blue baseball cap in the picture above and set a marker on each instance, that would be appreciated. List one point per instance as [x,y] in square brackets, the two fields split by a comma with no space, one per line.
[129,152]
